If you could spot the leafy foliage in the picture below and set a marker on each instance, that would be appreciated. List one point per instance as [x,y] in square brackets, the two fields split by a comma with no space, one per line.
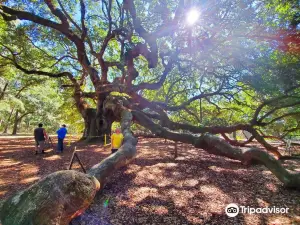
[220,70]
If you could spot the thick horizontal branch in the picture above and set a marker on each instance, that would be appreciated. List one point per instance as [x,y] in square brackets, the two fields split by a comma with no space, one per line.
[166,122]
[217,146]
[43,73]
[81,52]
[186,103]
[157,85]
[277,108]
[23,15]
[283,116]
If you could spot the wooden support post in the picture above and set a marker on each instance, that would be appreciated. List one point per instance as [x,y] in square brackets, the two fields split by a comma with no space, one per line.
[79,161]
[69,142]
[104,139]
[50,140]
[72,159]
[176,154]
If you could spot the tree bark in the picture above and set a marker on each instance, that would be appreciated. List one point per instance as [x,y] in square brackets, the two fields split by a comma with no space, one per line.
[7,122]
[235,142]
[3,91]
[234,135]
[96,126]
[16,122]
[97,123]
[123,156]
[54,200]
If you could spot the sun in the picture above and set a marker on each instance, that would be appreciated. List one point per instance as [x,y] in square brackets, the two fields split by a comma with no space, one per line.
[192,16]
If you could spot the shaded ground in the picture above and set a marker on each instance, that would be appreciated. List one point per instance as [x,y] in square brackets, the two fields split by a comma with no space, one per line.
[156,189]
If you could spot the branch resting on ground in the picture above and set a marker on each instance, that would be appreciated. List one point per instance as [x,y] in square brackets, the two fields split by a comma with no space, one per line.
[125,153]
[220,147]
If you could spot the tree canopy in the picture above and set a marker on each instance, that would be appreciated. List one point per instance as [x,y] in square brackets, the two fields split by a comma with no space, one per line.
[188,71]
[234,68]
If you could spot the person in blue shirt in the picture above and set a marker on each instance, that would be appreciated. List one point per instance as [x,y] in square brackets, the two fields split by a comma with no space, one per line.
[61,134]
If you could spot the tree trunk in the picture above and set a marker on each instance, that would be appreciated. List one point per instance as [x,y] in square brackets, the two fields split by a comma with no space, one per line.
[201,113]
[27,126]
[96,126]
[3,91]
[234,135]
[96,122]
[16,122]
[7,122]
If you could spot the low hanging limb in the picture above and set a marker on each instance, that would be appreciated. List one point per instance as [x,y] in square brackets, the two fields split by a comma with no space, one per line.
[220,147]
[72,161]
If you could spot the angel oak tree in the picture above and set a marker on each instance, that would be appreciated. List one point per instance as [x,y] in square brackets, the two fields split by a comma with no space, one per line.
[145,64]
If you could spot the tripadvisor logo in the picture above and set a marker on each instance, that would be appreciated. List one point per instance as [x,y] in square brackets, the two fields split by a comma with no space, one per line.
[233,209]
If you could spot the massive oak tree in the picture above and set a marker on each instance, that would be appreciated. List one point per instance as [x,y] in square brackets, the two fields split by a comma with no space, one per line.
[142,61]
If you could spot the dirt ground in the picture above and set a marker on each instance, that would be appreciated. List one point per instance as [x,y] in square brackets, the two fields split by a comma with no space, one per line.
[158,189]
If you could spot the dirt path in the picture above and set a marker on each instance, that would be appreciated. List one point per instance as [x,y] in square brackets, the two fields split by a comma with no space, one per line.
[156,189]
[19,167]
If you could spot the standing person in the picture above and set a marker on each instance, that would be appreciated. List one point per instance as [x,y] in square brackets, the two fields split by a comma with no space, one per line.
[40,136]
[61,134]
[116,140]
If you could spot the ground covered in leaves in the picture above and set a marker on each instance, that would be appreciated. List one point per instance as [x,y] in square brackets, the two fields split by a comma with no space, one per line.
[156,188]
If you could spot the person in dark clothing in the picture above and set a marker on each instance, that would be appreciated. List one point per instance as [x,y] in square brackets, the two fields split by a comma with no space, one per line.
[61,134]
[40,136]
